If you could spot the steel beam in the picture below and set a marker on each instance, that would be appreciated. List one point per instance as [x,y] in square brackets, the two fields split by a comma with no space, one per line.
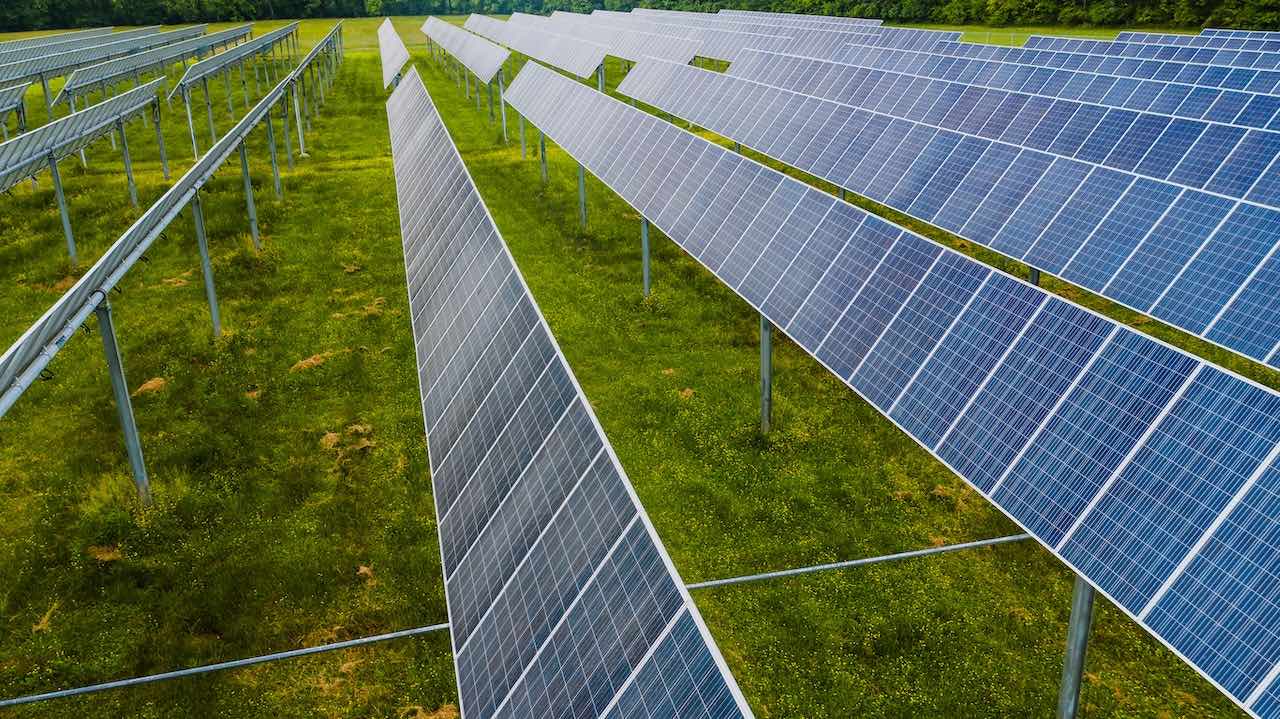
[1077,644]
[582,196]
[248,197]
[644,253]
[124,406]
[206,265]
[766,374]
[128,162]
[62,209]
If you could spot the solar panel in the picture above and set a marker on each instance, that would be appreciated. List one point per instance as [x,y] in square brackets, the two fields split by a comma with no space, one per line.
[54,38]
[1263,60]
[1260,43]
[215,64]
[571,54]
[11,99]
[394,53]
[1197,260]
[28,154]
[628,44]
[713,42]
[481,57]
[1264,34]
[1150,472]
[811,38]
[59,64]
[1222,105]
[90,78]
[562,601]
[38,50]
[785,16]
[1256,81]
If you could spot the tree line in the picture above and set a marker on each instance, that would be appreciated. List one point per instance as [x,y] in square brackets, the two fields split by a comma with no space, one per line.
[1262,14]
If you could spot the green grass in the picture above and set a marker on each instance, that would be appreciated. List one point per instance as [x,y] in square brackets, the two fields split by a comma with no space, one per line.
[259,529]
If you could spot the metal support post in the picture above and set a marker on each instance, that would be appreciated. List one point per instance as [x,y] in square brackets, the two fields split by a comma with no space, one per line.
[582,196]
[71,102]
[843,195]
[244,85]
[490,88]
[520,118]
[191,125]
[275,163]
[164,156]
[600,77]
[288,136]
[62,208]
[124,406]
[208,106]
[466,79]
[206,266]
[542,153]
[248,197]
[737,147]
[48,96]
[297,116]
[644,252]
[1077,644]
[128,162]
[226,81]
[300,89]
[502,104]
[766,374]
[1034,277]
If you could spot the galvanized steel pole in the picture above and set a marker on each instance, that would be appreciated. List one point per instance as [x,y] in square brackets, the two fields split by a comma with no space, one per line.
[191,125]
[644,252]
[208,106]
[275,163]
[128,162]
[502,104]
[766,374]
[297,115]
[248,197]
[62,208]
[206,266]
[582,196]
[288,136]
[542,152]
[124,406]
[164,156]
[1077,644]
[520,121]
[600,77]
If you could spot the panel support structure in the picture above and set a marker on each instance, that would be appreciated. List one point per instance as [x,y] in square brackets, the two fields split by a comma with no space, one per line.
[206,266]
[582,196]
[600,77]
[1034,277]
[275,161]
[766,374]
[62,209]
[502,106]
[164,156]
[124,407]
[490,88]
[644,253]
[128,163]
[248,197]
[297,116]
[191,124]
[520,119]
[542,154]
[208,108]
[1077,644]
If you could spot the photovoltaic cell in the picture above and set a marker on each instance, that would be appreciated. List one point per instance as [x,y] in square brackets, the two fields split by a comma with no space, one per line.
[40,49]
[571,54]
[223,61]
[41,40]
[393,52]
[62,63]
[1188,256]
[1092,422]
[562,602]
[633,45]
[481,57]
[1264,57]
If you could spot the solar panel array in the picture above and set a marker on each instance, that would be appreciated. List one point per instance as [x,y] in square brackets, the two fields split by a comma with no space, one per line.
[11,99]
[54,38]
[791,17]
[714,42]
[562,601]
[1263,60]
[1151,473]
[571,54]
[27,154]
[87,79]
[1195,259]
[223,61]
[1212,104]
[628,44]
[1260,81]
[41,49]
[481,57]
[394,53]
[59,64]
[1264,34]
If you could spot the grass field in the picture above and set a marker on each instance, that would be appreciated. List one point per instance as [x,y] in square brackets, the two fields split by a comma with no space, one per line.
[292,502]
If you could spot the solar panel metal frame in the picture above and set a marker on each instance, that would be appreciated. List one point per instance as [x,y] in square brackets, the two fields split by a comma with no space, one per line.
[1218,105]
[421,142]
[27,53]
[1100,371]
[1244,59]
[28,154]
[483,58]
[718,44]
[571,54]
[629,44]
[393,52]
[22,362]
[56,65]
[89,78]
[54,38]
[11,98]
[799,16]
[215,64]
[1231,327]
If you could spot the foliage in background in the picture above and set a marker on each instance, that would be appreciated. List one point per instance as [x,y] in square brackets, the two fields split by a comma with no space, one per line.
[39,14]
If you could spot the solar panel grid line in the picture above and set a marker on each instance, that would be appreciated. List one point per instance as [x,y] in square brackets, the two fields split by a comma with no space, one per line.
[224,60]
[1182,271]
[1208,534]
[1110,346]
[483,58]
[59,64]
[799,16]
[91,77]
[641,530]
[1263,686]
[574,55]
[1013,77]
[648,655]
[627,43]
[56,37]
[27,53]
[1204,331]
[394,53]
[1128,459]
[1148,237]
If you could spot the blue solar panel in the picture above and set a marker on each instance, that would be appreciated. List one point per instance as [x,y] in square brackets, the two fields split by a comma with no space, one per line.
[561,599]
[992,374]
[1169,250]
